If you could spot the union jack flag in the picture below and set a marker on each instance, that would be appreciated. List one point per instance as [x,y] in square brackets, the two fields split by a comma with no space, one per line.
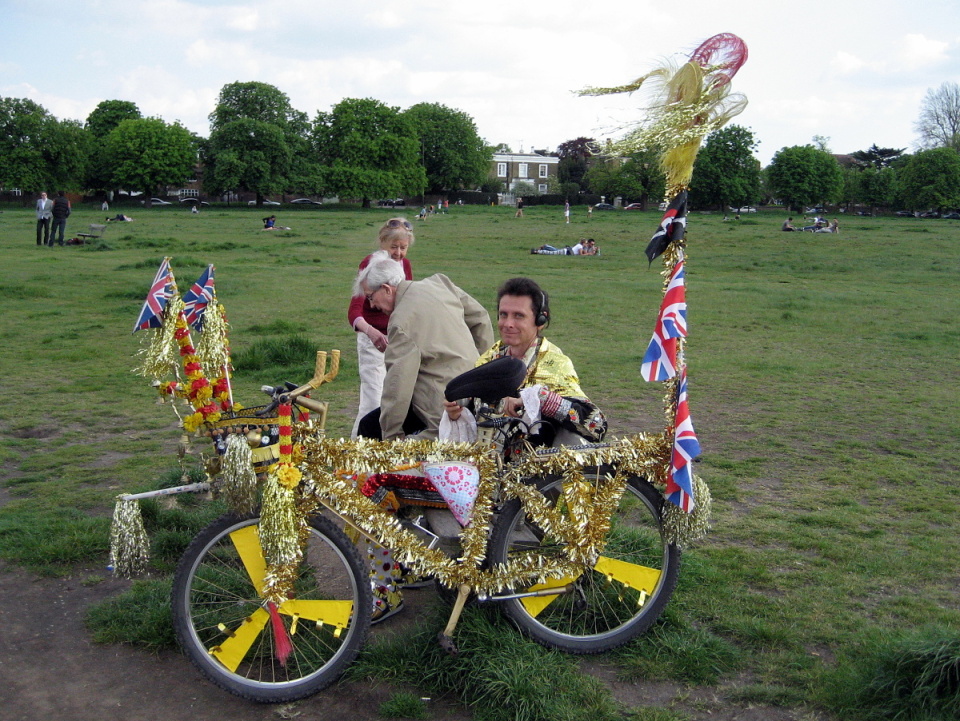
[672,227]
[196,299]
[679,489]
[161,290]
[660,359]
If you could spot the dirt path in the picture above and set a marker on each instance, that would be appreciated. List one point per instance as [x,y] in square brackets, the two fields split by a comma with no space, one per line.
[49,669]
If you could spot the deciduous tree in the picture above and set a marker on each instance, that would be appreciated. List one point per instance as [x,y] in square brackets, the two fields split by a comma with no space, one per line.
[147,154]
[109,114]
[258,143]
[574,155]
[454,156]
[939,123]
[105,117]
[802,175]
[726,173]
[931,179]
[37,151]
[366,150]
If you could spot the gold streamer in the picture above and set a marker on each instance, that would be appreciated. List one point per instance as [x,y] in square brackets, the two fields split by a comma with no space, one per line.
[280,538]
[684,528]
[161,356]
[213,347]
[129,545]
[238,481]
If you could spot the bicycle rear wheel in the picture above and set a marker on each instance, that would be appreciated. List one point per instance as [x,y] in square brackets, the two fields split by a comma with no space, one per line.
[618,599]
[228,630]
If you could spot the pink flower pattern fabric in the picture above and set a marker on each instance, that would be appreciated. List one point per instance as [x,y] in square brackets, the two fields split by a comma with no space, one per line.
[458,483]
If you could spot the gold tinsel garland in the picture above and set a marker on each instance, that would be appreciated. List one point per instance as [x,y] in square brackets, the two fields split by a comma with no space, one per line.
[280,529]
[213,348]
[582,525]
[238,486]
[160,357]
[129,545]
[684,528]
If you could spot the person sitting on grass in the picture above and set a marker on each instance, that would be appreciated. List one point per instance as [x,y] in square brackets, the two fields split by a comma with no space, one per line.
[834,227]
[788,225]
[270,223]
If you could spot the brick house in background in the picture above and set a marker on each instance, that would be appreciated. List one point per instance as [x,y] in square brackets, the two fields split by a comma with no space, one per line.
[533,168]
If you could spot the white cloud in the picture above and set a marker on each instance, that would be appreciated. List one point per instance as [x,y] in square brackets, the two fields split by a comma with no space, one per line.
[246,20]
[847,63]
[918,51]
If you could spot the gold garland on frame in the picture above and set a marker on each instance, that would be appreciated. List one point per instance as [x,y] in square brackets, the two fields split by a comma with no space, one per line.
[582,528]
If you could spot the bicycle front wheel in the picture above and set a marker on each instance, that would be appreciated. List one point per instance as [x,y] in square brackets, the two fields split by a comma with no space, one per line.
[231,634]
[619,598]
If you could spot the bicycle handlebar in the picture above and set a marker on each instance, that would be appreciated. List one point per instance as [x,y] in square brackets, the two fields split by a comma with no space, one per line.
[320,374]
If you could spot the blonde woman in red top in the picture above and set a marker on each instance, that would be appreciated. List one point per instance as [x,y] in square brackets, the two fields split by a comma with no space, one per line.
[395,238]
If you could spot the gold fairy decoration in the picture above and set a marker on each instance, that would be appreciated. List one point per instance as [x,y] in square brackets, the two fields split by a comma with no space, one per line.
[688,102]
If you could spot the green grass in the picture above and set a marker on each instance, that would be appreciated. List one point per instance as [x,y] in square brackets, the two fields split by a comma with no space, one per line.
[499,673]
[822,386]
[404,704]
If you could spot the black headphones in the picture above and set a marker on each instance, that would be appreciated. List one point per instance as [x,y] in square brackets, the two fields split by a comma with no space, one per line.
[543,312]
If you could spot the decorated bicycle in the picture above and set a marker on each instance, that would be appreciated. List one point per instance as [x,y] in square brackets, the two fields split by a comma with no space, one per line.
[579,545]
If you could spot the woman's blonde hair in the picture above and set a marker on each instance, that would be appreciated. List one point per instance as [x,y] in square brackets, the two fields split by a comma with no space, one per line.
[395,229]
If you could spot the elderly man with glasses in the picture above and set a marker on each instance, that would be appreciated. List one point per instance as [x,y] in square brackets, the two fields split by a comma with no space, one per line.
[435,332]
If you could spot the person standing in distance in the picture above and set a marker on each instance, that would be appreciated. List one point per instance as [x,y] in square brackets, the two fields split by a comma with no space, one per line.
[61,211]
[44,216]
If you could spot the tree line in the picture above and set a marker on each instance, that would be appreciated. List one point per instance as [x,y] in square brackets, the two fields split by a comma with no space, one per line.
[365,149]
[259,143]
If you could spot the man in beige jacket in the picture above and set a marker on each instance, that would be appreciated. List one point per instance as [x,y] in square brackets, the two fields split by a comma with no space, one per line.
[436,332]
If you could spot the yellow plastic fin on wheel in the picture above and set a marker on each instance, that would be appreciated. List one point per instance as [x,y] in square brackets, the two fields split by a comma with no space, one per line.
[247,542]
[536,604]
[332,613]
[640,578]
[231,652]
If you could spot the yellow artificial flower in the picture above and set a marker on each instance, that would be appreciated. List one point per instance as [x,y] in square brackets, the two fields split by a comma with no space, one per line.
[288,476]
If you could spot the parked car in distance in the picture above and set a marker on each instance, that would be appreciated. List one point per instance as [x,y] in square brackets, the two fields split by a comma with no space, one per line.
[930,214]
[155,201]
[191,201]
[603,206]
[265,202]
[903,214]
[392,203]
[746,209]
[634,206]
[815,210]
[306,201]
[952,216]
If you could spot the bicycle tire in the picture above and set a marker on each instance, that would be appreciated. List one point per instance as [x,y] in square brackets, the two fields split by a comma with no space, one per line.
[225,628]
[614,602]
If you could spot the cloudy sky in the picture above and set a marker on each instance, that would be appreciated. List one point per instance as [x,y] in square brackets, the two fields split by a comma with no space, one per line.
[851,70]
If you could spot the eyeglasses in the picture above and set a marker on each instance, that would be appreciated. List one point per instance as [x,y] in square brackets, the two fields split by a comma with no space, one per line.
[399,223]
[369,296]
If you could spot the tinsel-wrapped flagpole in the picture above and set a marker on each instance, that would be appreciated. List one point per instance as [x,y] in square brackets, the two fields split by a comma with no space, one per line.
[689,102]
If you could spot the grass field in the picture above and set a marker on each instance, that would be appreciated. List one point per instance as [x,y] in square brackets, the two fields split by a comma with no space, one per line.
[823,385]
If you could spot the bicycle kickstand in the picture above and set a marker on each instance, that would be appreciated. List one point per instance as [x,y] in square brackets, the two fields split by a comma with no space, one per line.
[445,637]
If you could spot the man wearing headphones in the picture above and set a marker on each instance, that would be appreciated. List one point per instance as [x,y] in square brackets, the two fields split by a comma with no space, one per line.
[551,390]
